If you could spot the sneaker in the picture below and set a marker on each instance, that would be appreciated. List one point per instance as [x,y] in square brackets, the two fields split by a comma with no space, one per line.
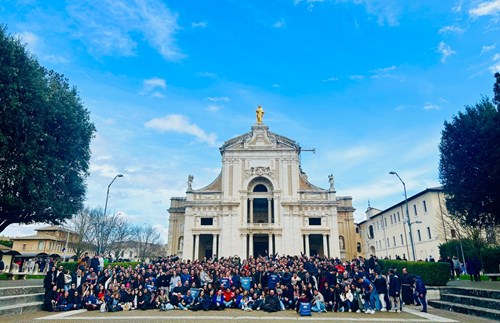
[372,312]
[258,308]
[358,311]
[350,310]
[185,309]
[383,310]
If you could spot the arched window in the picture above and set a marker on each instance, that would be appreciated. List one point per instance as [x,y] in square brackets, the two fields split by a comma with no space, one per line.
[358,247]
[41,245]
[341,243]
[260,188]
[370,232]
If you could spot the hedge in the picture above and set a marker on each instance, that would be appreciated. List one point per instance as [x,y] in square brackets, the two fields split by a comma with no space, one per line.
[432,273]
[491,259]
[72,266]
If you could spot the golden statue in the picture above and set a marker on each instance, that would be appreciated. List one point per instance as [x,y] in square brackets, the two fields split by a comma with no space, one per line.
[260,114]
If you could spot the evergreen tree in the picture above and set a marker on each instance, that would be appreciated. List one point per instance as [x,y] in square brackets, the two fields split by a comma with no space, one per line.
[469,166]
[45,134]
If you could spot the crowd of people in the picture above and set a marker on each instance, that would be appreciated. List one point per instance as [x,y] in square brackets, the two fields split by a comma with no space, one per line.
[268,284]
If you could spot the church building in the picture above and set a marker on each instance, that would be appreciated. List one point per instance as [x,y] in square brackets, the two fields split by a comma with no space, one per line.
[261,203]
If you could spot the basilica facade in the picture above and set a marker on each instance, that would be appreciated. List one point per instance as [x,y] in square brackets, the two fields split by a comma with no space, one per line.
[261,203]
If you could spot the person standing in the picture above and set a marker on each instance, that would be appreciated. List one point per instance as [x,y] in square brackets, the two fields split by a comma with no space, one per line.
[394,291]
[406,288]
[381,286]
[421,292]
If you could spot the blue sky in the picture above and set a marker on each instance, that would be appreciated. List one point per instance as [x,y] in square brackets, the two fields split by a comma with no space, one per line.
[368,84]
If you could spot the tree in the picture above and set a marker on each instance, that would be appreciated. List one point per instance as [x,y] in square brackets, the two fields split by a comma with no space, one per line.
[45,134]
[148,239]
[81,224]
[469,167]
[121,233]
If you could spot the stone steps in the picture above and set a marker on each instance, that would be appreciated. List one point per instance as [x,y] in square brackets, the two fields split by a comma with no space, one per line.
[483,293]
[22,299]
[10,291]
[471,300]
[467,309]
[20,308]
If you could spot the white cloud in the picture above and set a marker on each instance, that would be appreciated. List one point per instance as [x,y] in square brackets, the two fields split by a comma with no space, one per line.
[458,7]
[356,77]
[276,85]
[486,49]
[430,106]
[30,39]
[154,87]
[105,170]
[213,108]
[107,26]
[218,99]
[486,8]
[451,30]
[155,82]
[495,68]
[181,124]
[279,24]
[331,79]
[445,50]
[382,72]
[200,24]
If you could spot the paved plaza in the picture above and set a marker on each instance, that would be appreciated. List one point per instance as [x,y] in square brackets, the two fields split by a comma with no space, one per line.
[409,315]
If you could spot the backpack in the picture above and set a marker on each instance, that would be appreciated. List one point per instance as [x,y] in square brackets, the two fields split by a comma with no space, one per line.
[305,309]
[103,308]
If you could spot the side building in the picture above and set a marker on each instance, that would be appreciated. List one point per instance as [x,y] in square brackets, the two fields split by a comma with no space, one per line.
[261,203]
[48,241]
[386,233]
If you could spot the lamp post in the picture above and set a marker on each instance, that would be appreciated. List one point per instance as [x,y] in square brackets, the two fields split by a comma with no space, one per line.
[407,215]
[106,204]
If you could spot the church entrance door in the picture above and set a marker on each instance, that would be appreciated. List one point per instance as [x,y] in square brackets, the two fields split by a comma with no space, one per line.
[260,245]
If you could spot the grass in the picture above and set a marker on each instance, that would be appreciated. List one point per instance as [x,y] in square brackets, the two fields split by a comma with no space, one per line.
[4,277]
[467,277]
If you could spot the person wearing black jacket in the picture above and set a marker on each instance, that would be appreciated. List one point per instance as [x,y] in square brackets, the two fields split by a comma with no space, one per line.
[50,300]
[381,286]
[271,303]
[394,291]
[50,280]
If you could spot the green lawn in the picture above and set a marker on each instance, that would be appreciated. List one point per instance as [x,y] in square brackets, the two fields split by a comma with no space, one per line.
[4,277]
[467,277]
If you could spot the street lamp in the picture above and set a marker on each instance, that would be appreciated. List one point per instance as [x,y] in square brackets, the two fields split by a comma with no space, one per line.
[407,215]
[107,194]
[106,204]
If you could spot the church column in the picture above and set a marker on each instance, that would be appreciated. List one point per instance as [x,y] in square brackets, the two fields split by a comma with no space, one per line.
[307,245]
[251,210]
[214,245]
[250,244]
[270,251]
[325,246]
[269,211]
[196,246]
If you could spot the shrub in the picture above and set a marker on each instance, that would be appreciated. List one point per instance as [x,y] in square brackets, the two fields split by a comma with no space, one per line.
[432,273]
[72,266]
[491,259]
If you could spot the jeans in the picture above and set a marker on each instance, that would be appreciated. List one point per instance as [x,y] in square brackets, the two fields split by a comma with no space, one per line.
[423,301]
[318,307]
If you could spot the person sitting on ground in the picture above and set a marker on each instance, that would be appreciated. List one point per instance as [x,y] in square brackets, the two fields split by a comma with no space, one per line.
[218,301]
[271,302]
[318,302]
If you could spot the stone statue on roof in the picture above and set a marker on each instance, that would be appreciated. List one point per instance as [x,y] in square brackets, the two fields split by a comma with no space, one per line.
[190,182]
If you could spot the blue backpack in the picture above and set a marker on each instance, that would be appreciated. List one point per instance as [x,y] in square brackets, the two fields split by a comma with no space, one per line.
[305,309]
